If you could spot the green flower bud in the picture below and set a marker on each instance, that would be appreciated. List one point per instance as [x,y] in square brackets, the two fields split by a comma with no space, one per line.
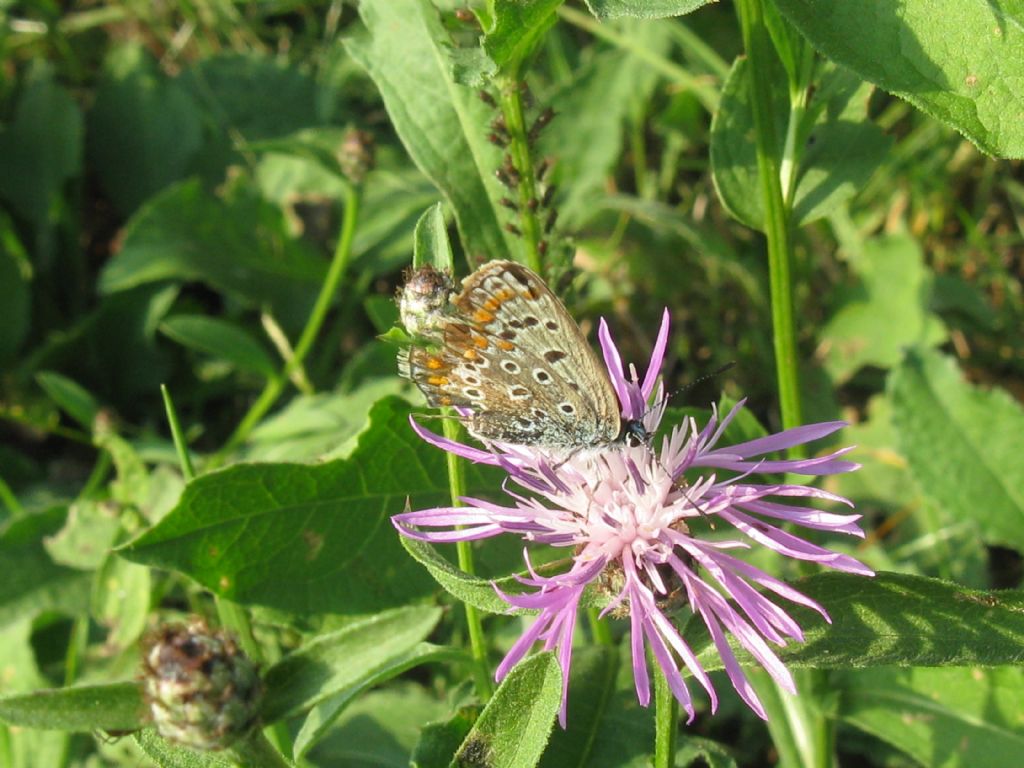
[203,692]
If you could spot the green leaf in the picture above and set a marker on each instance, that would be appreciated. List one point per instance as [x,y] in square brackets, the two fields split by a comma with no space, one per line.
[324,715]
[41,147]
[319,426]
[439,741]
[308,539]
[221,339]
[109,707]
[70,396]
[442,124]
[144,129]
[168,755]
[340,660]
[247,98]
[468,589]
[320,145]
[838,148]
[888,312]
[121,597]
[940,717]
[514,727]
[895,619]
[518,27]
[239,246]
[430,243]
[15,290]
[962,63]
[380,730]
[643,9]
[32,582]
[607,728]
[962,444]
[90,530]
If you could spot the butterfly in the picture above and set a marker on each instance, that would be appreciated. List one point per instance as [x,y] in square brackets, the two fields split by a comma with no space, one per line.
[506,352]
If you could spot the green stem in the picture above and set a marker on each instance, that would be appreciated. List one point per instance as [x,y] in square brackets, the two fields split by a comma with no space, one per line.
[794,722]
[187,470]
[702,88]
[511,102]
[776,216]
[666,721]
[598,628]
[275,386]
[477,641]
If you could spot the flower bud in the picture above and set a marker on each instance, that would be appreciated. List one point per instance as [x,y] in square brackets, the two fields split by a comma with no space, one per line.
[202,691]
[423,301]
[356,155]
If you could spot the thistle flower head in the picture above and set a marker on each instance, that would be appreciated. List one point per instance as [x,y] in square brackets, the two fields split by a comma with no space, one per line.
[202,691]
[630,516]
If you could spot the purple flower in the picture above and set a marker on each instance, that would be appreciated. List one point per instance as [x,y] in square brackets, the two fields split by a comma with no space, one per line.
[627,512]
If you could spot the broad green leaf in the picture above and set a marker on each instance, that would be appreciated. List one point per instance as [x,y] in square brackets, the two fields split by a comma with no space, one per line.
[320,426]
[308,539]
[430,242]
[888,312]
[41,147]
[19,673]
[32,582]
[696,751]
[962,444]
[85,708]
[518,27]
[247,97]
[144,128]
[586,136]
[643,9]
[932,541]
[343,659]
[469,589]
[221,339]
[442,124]
[837,147]
[940,717]
[607,728]
[121,599]
[514,727]
[71,396]
[381,728]
[90,530]
[15,290]
[324,715]
[167,755]
[895,619]
[439,741]
[239,246]
[962,63]
[320,144]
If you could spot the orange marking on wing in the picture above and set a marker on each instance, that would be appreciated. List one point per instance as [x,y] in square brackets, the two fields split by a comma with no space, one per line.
[480,342]
[529,294]
[445,400]
[504,294]
[482,316]
[434,363]
[437,381]
[470,354]
[508,346]
[492,303]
